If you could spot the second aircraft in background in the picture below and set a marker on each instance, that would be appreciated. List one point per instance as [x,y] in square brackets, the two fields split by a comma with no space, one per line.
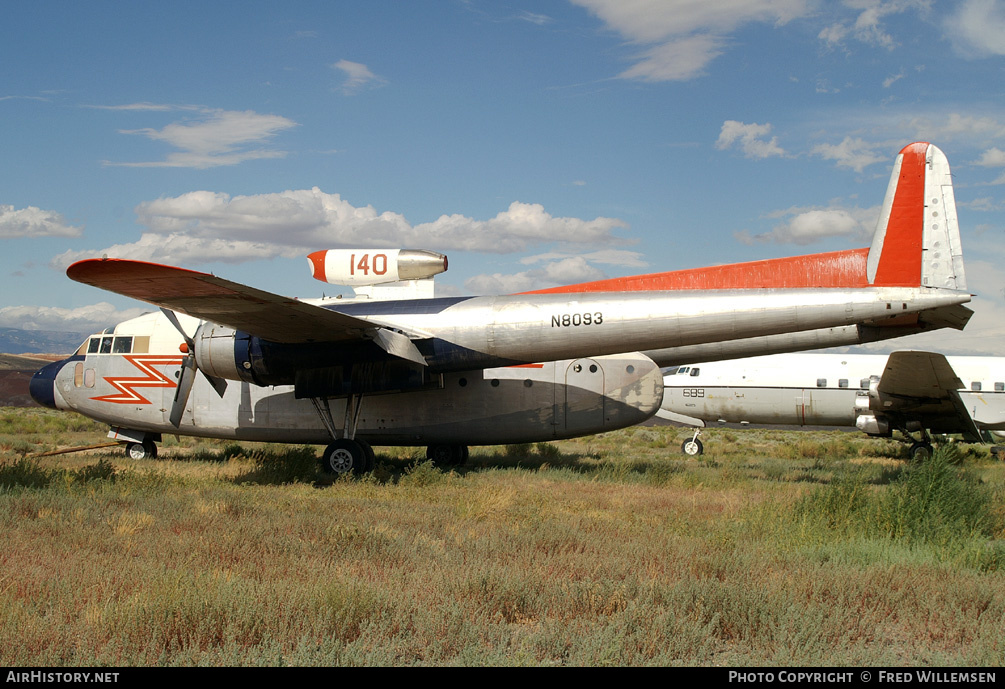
[911,392]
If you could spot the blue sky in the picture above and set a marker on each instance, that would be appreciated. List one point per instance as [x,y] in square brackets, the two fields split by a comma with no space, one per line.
[536,143]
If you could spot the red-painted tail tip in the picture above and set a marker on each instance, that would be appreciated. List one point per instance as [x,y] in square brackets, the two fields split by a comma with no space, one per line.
[919,146]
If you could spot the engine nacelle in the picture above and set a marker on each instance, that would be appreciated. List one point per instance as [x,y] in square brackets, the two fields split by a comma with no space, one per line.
[374,266]
[873,425]
[322,369]
[223,352]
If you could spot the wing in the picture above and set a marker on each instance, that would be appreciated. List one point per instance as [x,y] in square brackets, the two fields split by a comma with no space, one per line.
[205,296]
[926,386]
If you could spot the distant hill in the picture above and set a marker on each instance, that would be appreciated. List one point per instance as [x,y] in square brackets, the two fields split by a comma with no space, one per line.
[17,341]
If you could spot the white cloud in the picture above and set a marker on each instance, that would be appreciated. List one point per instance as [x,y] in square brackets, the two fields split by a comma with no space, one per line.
[567,271]
[977,29]
[677,60]
[91,318]
[750,138]
[684,35]
[809,225]
[33,222]
[941,127]
[868,25]
[357,76]
[892,79]
[213,138]
[615,257]
[994,157]
[851,153]
[202,226]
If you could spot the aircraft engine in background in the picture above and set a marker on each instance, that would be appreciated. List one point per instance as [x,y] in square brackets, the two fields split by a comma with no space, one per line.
[374,266]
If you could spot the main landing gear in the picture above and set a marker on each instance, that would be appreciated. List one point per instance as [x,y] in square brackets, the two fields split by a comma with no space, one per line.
[346,454]
[920,450]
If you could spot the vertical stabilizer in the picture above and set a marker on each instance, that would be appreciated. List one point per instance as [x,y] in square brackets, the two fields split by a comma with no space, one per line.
[917,240]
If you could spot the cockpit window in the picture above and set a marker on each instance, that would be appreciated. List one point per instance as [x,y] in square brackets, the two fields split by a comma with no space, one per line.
[108,344]
[695,371]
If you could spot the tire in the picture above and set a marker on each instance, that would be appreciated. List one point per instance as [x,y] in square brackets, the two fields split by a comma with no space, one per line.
[921,452]
[344,456]
[145,450]
[447,455]
[371,457]
[692,448]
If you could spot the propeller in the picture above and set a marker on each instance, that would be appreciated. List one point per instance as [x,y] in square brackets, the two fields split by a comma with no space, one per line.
[188,369]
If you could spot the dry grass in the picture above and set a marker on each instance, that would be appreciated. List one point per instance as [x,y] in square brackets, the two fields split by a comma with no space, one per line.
[608,550]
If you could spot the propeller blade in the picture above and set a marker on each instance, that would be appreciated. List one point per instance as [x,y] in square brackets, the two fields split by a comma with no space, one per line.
[219,384]
[184,389]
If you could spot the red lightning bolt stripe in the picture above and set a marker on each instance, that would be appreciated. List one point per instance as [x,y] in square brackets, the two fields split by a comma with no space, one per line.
[152,379]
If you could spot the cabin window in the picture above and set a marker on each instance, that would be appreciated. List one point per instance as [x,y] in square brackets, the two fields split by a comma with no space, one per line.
[122,345]
[89,378]
[999,387]
[843,383]
[78,375]
[975,386]
[821,382]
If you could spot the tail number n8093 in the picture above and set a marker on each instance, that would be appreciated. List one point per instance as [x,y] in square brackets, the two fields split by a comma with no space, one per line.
[569,320]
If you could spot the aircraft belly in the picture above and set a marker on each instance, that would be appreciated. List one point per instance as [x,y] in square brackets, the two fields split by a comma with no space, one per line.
[501,405]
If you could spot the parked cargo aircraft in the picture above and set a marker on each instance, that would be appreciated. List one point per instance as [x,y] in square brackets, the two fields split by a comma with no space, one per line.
[911,392]
[226,360]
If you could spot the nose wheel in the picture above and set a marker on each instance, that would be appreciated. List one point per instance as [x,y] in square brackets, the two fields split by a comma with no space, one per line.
[692,447]
[145,450]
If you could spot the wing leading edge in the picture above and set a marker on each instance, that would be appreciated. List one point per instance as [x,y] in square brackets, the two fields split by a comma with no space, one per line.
[205,296]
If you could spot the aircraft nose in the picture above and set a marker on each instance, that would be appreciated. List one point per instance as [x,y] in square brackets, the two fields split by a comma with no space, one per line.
[42,386]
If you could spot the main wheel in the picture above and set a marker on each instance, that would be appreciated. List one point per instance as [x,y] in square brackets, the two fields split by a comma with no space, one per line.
[343,456]
[692,447]
[145,450]
[447,455]
[921,451]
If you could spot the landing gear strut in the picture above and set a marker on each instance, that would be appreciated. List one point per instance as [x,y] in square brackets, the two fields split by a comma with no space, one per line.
[345,454]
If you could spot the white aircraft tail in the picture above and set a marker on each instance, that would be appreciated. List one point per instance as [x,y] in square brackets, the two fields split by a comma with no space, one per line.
[918,225]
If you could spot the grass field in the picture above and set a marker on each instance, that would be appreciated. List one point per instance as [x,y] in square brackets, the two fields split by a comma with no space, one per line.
[774,548]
